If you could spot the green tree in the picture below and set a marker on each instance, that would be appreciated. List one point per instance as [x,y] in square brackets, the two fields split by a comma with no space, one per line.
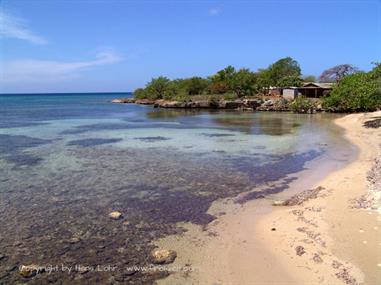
[284,67]
[264,80]
[309,78]
[290,81]
[156,87]
[195,85]
[354,93]
[243,82]
[140,93]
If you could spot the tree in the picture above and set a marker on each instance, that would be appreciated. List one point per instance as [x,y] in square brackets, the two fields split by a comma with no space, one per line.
[157,87]
[140,93]
[195,85]
[217,88]
[173,89]
[309,78]
[225,75]
[284,67]
[290,81]
[338,72]
[222,81]
[375,73]
[264,80]
[243,82]
[354,93]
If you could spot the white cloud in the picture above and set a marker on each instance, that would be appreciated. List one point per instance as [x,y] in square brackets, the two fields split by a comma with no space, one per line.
[12,27]
[44,71]
[214,11]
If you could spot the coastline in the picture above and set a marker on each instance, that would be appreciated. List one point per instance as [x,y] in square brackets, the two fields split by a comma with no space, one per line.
[325,240]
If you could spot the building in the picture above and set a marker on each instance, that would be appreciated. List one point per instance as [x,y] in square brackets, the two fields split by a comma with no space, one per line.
[309,89]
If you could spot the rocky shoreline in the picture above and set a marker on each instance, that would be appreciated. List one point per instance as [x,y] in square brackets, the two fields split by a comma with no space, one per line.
[277,104]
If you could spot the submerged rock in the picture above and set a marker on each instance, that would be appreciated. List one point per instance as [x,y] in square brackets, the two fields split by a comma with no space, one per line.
[31,270]
[115,215]
[163,256]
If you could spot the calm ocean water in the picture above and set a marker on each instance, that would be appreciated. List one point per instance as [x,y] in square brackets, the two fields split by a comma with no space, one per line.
[67,160]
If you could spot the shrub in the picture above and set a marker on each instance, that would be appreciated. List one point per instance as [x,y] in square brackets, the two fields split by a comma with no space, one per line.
[302,105]
[140,93]
[355,93]
[214,100]
[230,96]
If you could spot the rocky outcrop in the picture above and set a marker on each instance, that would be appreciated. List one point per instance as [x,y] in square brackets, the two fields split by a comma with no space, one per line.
[123,100]
[277,104]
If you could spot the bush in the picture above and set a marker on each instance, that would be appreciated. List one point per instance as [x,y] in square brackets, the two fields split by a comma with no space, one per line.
[214,100]
[230,96]
[302,105]
[140,93]
[355,93]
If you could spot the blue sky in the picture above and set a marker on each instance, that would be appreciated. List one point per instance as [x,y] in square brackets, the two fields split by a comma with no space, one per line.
[78,46]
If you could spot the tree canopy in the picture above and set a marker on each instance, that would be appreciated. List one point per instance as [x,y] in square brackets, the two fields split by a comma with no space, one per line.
[338,72]
[284,67]
[360,91]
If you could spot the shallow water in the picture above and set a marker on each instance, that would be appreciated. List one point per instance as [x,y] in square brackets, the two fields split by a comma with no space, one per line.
[66,161]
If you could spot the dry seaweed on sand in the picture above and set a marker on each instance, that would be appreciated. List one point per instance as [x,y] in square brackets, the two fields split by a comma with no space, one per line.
[301,197]
[375,123]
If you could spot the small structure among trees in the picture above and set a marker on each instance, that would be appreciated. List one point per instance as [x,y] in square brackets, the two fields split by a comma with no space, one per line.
[308,90]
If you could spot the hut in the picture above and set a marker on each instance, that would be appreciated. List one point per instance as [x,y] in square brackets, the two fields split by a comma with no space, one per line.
[309,90]
[315,90]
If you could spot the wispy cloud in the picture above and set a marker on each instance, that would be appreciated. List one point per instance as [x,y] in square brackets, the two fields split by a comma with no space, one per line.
[214,11]
[13,27]
[40,71]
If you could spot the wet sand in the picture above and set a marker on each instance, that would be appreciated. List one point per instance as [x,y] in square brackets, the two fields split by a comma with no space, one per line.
[333,238]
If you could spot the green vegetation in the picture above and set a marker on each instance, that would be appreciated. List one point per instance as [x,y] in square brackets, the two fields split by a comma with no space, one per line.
[360,91]
[229,82]
[354,90]
[309,78]
[302,105]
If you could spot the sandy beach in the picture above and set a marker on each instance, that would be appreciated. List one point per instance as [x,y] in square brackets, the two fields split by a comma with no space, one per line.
[330,234]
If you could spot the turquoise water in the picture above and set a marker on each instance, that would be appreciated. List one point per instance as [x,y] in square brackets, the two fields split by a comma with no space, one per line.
[67,160]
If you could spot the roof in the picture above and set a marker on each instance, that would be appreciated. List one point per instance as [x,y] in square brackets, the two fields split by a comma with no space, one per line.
[317,85]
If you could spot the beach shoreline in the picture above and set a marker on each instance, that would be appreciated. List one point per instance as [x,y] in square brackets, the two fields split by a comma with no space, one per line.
[328,239]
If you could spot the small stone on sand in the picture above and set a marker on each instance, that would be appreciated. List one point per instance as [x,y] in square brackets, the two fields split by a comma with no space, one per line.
[163,256]
[278,203]
[364,242]
[361,230]
[115,215]
[31,270]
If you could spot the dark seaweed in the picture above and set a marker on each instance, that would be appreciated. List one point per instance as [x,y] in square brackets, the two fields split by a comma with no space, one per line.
[152,139]
[93,142]
[12,147]
[217,135]
[62,217]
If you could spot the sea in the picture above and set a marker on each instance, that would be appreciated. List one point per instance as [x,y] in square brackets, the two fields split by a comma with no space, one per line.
[68,160]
